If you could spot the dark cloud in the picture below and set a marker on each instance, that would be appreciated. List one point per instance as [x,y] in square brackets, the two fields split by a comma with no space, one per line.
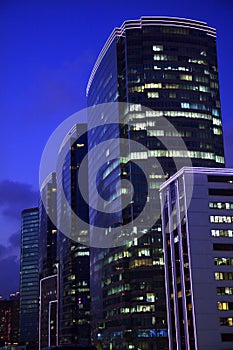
[12,249]
[9,275]
[16,196]
[2,251]
[10,265]
[14,239]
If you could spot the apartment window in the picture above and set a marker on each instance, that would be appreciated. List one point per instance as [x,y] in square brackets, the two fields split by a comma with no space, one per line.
[219,178]
[226,321]
[222,233]
[221,205]
[224,306]
[226,219]
[223,247]
[223,261]
[220,192]
[227,276]
[225,290]
[227,336]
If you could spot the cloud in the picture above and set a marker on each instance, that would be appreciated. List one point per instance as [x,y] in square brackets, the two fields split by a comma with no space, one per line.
[14,239]
[14,197]
[10,265]
[12,248]
[9,275]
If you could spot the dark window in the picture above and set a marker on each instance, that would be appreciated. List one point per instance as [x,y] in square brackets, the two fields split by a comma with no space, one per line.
[220,192]
[222,246]
[227,336]
[224,179]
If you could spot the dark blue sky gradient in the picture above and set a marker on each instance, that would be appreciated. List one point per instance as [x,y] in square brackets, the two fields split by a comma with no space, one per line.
[48,49]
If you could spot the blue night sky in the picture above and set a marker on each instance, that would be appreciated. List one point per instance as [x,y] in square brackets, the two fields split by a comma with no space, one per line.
[48,49]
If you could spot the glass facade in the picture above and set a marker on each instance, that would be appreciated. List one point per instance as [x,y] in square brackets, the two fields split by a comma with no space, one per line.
[170,66]
[74,258]
[48,313]
[29,277]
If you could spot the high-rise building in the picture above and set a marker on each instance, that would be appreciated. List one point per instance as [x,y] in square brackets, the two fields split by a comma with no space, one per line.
[198,250]
[168,65]
[29,278]
[48,264]
[48,237]
[74,259]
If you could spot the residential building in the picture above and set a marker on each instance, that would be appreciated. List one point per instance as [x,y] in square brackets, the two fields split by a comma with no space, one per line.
[197,227]
[161,67]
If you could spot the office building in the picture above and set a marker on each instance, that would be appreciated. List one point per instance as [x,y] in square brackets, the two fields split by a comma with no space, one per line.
[74,276]
[48,237]
[162,67]
[198,254]
[48,264]
[29,278]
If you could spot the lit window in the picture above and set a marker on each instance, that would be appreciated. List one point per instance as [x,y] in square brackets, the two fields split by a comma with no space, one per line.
[136,89]
[227,276]
[221,219]
[185,105]
[225,290]
[223,261]
[150,297]
[186,77]
[139,155]
[152,94]
[172,86]
[217,121]
[223,306]
[144,252]
[197,60]
[217,131]
[226,321]
[140,262]
[157,47]
[221,205]
[215,112]
[222,233]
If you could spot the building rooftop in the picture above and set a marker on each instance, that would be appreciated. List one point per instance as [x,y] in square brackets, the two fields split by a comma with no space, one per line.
[197,170]
[147,21]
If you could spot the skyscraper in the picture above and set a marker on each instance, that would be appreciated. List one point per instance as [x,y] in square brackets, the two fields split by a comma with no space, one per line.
[197,237]
[48,264]
[74,259]
[29,278]
[48,236]
[168,65]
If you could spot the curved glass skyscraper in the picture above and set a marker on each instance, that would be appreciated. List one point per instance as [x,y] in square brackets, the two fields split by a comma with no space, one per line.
[168,65]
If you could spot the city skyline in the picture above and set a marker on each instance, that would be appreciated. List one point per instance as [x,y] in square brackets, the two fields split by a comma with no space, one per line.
[57,74]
